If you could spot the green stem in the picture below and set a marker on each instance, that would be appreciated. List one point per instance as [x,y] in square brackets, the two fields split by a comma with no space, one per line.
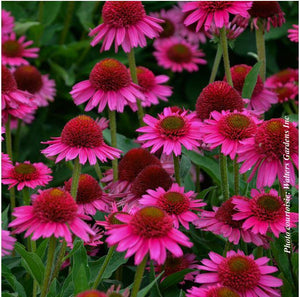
[51,251]
[244,246]
[223,40]
[35,284]
[294,106]
[98,171]
[68,19]
[40,19]
[287,108]
[138,277]
[59,260]
[113,134]
[261,50]
[26,196]
[224,176]
[236,177]
[197,186]
[176,168]
[217,61]
[132,67]
[75,178]
[103,267]
[17,139]
[260,252]
[226,248]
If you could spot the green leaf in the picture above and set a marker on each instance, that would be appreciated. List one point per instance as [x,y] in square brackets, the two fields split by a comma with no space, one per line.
[32,263]
[21,28]
[11,279]
[84,13]
[174,278]
[41,250]
[155,292]
[7,294]
[53,289]
[68,287]
[4,216]
[250,81]
[50,11]
[76,246]
[203,193]
[185,165]
[68,77]
[144,291]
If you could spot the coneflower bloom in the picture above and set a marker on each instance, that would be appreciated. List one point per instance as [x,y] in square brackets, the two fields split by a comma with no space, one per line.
[148,230]
[109,85]
[171,130]
[294,33]
[15,50]
[81,137]
[29,79]
[220,221]
[115,292]
[227,129]
[212,291]
[177,54]
[91,293]
[26,175]
[53,213]
[266,152]
[233,30]
[6,163]
[262,98]
[90,196]
[7,243]
[218,96]
[265,212]
[247,276]
[206,13]
[7,22]
[178,204]
[126,24]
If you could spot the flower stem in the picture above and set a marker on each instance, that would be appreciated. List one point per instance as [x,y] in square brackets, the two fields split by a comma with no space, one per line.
[236,177]
[113,134]
[75,178]
[176,168]
[35,284]
[98,172]
[216,64]
[132,67]
[224,176]
[244,246]
[59,260]
[68,19]
[223,40]
[138,277]
[51,251]
[26,196]
[261,50]
[103,267]
[260,252]
[226,248]
[17,139]
[197,185]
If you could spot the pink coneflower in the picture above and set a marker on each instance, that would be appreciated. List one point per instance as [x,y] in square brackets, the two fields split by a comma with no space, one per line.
[27,175]
[212,291]
[91,293]
[220,221]
[265,212]
[14,51]
[294,33]
[148,230]
[90,197]
[29,79]
[284,76]
[241,273]
[262,98]
[266,152]
[218,96]
[126,23]
[52,213]
[7,243]
[115,292]
[227,129]
[178,204]
[177,54]
[171,130]
[233,30]
[6,163]
[7,22]
[81,137]
[109,84]
[206,13]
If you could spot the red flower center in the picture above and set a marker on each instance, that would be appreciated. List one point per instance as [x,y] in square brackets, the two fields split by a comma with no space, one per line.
[25,172]
[173,126]
[151,177]
[221,292]
[286,75]
[174,203]
[28,78]
[179,53]
[82,131]
[134,162]
[109,75]
[146,79]
[284,93]
[8,82]
[151,222]
[264,9]
[213,6]
[239,272]
[12,48]
[88,189]
[55,205]
[92,293]
[168,28]
[123,13]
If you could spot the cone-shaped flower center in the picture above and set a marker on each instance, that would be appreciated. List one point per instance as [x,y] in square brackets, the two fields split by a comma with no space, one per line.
[134,162]
[109,75]
[179,53]
[123,13]
[168,28]
[269,203]
[92,293]
[223,292]
[264,9]
[12,48]
[55,205]
[213,6]
[82,131]
[28,78]
[173,126]
[239,272]
[24,172]
[146,78]
[286,75]
[151,222]
[8,82]
[174,203]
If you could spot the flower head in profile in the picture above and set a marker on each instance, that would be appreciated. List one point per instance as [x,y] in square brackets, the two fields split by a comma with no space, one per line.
[81,137]
[170,130]
[6,163]
[177,54]
[212,291]
[8,22]
[53,213]
[7,243]
[125,23]
[148,230]
[109,85]
[293,33]
[114,291]
[243,274]
[265,212]
[14,51]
